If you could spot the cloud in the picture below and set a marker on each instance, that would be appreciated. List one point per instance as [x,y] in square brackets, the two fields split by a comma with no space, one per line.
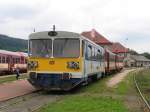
[115,19]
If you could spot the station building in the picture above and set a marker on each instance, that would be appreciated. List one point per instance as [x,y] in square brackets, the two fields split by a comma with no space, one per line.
[136,61]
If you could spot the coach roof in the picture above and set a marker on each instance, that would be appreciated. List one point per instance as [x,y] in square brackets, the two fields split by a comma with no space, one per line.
[60,34]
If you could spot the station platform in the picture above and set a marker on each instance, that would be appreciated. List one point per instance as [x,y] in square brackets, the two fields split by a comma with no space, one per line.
[14,89]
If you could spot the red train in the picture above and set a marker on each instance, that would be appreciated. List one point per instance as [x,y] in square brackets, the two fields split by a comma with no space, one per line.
[113,62]
[11,60]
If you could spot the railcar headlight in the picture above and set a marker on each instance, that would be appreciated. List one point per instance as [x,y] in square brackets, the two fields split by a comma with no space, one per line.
[32,64]
[35,64]
[73,65]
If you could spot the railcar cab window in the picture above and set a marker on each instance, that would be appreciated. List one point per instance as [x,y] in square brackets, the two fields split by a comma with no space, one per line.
[40,48]
[66,47]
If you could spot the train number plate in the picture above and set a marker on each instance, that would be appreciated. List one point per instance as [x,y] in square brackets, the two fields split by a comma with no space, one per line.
[51,62]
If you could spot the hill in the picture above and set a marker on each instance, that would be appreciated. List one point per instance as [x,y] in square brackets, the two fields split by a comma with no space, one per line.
[146,54]
[13,44]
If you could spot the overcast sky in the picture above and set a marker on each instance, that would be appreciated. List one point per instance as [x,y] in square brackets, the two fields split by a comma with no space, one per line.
[125,21]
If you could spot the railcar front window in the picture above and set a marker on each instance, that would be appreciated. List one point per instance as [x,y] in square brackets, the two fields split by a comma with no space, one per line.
[66,47]
[41,48]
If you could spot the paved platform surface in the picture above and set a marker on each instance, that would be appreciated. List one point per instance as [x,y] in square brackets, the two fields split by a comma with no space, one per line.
[14,89]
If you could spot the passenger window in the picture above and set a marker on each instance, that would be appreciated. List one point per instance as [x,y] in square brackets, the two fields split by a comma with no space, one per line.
[7,60]
[26,61]
[89,52]
[96,53]
[99,55]
[16,60]
[3,59]
[93,54]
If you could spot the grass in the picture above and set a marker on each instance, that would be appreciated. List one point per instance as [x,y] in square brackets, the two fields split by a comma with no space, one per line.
[12,78]
[86,104]
[143,80]
[96,97]
[125,85]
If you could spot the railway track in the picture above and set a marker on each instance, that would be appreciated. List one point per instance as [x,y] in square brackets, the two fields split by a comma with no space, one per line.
[147,105]
[20,96]
[29,102]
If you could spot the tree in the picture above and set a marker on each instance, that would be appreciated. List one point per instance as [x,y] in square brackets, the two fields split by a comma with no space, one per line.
[146,54]
[133,52]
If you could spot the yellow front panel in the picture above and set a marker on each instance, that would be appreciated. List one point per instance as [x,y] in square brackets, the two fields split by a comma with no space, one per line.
[56,64]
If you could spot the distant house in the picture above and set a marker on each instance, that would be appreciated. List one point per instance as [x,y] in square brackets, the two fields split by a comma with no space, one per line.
[136,61]
[102,41]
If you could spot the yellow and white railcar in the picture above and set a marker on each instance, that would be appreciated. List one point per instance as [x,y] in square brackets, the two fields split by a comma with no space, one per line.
[62,60]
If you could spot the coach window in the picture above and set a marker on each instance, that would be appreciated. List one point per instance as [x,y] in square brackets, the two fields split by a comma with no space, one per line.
[19,60]
[15,60]
[3,59]
[89,52]
[26,61]
[7,60]
[93,54]
[98,55]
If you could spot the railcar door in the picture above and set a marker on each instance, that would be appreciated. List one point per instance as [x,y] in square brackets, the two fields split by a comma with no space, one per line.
[107,59]
[84,58]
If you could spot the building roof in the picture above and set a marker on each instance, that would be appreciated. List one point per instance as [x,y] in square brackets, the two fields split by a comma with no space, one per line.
[118,48]
[96,37]
[139,58]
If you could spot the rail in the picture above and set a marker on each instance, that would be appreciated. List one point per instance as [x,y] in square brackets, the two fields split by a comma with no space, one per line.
[143,98]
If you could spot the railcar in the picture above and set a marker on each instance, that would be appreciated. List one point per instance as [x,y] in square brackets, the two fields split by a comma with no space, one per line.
[110,62]
[12,60]
[60,60]
[113,62]
[119,62]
